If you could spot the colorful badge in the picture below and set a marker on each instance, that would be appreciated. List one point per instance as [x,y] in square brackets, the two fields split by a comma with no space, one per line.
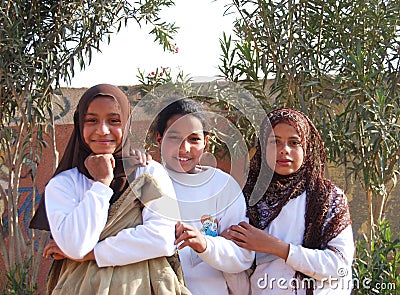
[209,226]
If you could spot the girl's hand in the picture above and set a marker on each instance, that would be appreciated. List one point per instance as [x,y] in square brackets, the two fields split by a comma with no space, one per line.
[52,250]
[252,238]
[187,235]
[101,167]
[227,234]
[140,158]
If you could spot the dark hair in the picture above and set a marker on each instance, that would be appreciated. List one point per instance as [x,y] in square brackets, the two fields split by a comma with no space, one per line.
[182,106]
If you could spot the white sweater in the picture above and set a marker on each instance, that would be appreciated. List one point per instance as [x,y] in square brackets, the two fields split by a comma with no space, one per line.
[77,210]
[211,193]
[331,270]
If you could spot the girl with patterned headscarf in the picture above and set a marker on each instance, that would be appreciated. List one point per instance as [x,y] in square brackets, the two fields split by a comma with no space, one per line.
[107,234]
[300,225]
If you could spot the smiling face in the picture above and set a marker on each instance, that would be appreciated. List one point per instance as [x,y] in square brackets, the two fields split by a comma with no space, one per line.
[183,143]
[102,128]
[284,150]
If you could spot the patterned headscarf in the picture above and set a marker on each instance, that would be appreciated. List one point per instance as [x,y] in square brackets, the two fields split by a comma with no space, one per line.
[327,211]
[77,150]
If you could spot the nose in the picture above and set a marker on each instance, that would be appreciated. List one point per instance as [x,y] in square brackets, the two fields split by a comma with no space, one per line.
[185,146]
[284,149]
[103,128]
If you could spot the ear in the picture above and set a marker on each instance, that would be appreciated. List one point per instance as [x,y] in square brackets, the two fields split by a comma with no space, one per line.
[158,138]
[206,141]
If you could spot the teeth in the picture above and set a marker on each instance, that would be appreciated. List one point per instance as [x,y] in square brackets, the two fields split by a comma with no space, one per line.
[183,159]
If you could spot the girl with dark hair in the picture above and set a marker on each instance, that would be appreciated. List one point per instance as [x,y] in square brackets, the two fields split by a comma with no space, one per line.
[210,200]
[300,225]
[108,237]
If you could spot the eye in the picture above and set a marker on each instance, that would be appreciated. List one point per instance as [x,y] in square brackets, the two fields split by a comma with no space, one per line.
[90,120]
[173,137]
[195,139]
[273,141]
[295,143]
[115,121]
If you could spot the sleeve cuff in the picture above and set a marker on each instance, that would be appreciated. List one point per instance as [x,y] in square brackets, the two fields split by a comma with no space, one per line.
[101,261]
[293,253]
[101,189]
[209,246]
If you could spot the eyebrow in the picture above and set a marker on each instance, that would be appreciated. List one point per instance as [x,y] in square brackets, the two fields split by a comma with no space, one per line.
[177,132]
[110,114]
[290,137]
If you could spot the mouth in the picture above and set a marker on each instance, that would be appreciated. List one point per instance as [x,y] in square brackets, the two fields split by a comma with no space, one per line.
[183,159]
[284,162]
[103,142]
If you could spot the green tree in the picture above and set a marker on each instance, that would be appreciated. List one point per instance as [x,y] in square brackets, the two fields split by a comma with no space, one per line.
[40,42]
[337,61]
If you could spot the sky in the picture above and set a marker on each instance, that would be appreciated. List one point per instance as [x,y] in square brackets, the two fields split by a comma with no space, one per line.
[201,23]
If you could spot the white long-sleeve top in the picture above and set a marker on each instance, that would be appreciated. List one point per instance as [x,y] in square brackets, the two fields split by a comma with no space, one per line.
[211,201]
[331,270]
[77,210]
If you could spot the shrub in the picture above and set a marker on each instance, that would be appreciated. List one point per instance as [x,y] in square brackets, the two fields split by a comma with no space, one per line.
[376,265]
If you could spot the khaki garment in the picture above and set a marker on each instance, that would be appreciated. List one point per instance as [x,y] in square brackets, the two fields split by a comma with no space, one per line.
[161,275]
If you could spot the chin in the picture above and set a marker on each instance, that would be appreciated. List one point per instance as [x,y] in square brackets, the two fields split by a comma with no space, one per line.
[185,170]
[190,170]
[109,151]
[284,173]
